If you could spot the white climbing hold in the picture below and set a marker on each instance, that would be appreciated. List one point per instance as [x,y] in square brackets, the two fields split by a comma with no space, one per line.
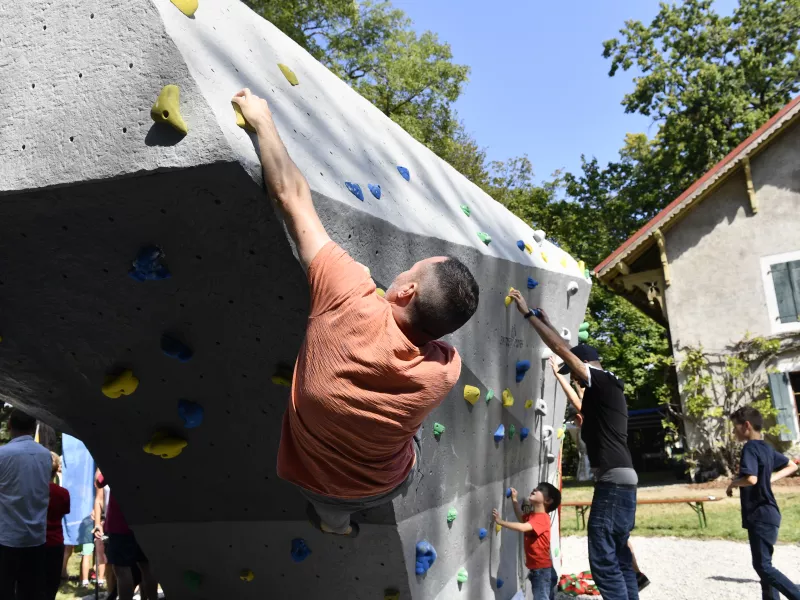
[547,432]
[539,236]
[551,458]
[566,335]
[541,407]
[546,353]
[572,288]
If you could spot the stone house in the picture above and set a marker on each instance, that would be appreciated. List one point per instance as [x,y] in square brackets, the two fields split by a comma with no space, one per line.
[722,261]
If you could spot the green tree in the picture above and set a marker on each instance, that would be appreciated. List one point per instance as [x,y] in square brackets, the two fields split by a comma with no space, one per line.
[707,81]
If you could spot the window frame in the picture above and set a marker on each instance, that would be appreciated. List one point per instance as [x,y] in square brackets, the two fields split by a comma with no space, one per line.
[767,263]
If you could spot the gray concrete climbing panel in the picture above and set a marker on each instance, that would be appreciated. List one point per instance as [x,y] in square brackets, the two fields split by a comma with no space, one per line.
[88,179]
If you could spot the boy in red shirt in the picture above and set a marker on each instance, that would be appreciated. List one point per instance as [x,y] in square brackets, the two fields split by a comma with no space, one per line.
[54,543]
[534,522]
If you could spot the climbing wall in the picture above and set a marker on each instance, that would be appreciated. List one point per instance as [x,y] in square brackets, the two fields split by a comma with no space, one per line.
[149,294]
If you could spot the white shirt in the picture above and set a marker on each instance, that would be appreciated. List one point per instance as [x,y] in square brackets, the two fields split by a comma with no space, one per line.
[25,468]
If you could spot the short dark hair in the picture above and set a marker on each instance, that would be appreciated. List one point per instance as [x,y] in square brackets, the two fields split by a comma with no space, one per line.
[748,414]
[21,422]
[551,493]
[451,303]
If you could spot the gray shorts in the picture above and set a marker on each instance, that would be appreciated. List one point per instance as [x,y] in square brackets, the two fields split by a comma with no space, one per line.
[335,512]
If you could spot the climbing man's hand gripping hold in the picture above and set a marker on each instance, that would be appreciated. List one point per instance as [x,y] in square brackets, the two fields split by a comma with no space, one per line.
[285,183]
[550,336]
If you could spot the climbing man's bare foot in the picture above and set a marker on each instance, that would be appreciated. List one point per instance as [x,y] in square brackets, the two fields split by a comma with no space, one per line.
[327,529]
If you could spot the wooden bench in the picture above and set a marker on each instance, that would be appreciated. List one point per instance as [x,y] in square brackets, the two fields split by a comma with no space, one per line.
[695,503]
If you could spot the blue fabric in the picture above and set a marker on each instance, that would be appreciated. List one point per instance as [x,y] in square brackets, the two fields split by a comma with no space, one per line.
[612,517]
[77,477]
[758,501]
[25,468]
[543,583]
[762,538]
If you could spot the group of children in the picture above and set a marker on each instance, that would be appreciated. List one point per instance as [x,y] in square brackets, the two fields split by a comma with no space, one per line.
[760,466]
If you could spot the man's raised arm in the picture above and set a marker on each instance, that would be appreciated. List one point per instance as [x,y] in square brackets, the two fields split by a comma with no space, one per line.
[552,339]
[286,185]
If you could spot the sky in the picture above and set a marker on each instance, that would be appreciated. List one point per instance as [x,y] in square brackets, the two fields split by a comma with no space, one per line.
[539,84]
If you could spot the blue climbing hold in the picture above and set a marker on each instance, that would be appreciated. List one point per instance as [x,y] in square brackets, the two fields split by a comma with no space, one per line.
[500,583]
[522,368]
[147,265]
[482,533]
[175,348]
[375,189]
[300,550]
[532,283]
[500,434]
[190,412]
[426,555]
[523,433]
[521,245]
[404,172]
[508,492]
[355,189]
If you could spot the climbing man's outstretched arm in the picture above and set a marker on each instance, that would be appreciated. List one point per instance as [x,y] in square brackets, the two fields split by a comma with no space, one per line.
[551,337]
[285,183]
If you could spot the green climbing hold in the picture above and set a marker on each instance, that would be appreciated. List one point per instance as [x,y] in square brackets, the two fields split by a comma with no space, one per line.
[462,575]
[583,336]
[489,395]
[438,429]
[465,209]
[587,274]
[584,326]
[451,515]
[485,238]
[192,579]
[511,431]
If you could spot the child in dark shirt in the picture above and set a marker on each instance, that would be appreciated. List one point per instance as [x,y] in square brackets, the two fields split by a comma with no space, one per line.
[760,514]
[534,522]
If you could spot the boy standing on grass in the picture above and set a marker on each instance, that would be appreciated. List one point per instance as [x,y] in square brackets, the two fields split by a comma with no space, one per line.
[534,522]
[760,514]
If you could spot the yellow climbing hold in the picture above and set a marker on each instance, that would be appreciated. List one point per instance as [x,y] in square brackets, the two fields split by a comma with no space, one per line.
[123,384]
[380,292]
[283,376]
[471,394]
[560,432]
[288,73]
[509,299]
[167,108]
[240,120]
[528,403]
[247,575]
[544,256]
[564,261]
[391,595]
[508,399]
[528,248]
[497,528]
[165,445]
[187,7]
[581,266]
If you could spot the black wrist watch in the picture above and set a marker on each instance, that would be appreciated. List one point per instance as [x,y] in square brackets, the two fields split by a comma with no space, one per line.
[530,314]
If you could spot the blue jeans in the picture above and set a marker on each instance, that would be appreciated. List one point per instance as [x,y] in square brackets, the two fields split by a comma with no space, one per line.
[543,583]
[762,538]
[612,517]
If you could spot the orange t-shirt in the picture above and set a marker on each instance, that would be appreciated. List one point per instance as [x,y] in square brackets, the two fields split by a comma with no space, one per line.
[537,542]
[361,389]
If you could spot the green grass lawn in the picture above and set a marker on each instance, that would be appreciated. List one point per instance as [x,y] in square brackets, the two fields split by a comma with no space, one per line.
[679,520]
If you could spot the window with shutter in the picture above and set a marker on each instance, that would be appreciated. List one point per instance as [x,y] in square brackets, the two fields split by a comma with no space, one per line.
[786,279]
[783,401]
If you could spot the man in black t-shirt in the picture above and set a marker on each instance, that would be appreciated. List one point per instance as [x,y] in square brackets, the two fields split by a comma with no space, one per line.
[605,433]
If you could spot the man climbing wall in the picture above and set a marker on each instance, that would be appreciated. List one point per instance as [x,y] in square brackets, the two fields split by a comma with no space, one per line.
[605,431]
[371,368]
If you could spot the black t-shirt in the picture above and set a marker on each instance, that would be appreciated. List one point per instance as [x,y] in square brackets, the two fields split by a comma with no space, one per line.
[605,422]
[758,501]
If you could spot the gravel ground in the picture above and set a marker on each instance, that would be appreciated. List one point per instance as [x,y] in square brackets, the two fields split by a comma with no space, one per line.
[681,569]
